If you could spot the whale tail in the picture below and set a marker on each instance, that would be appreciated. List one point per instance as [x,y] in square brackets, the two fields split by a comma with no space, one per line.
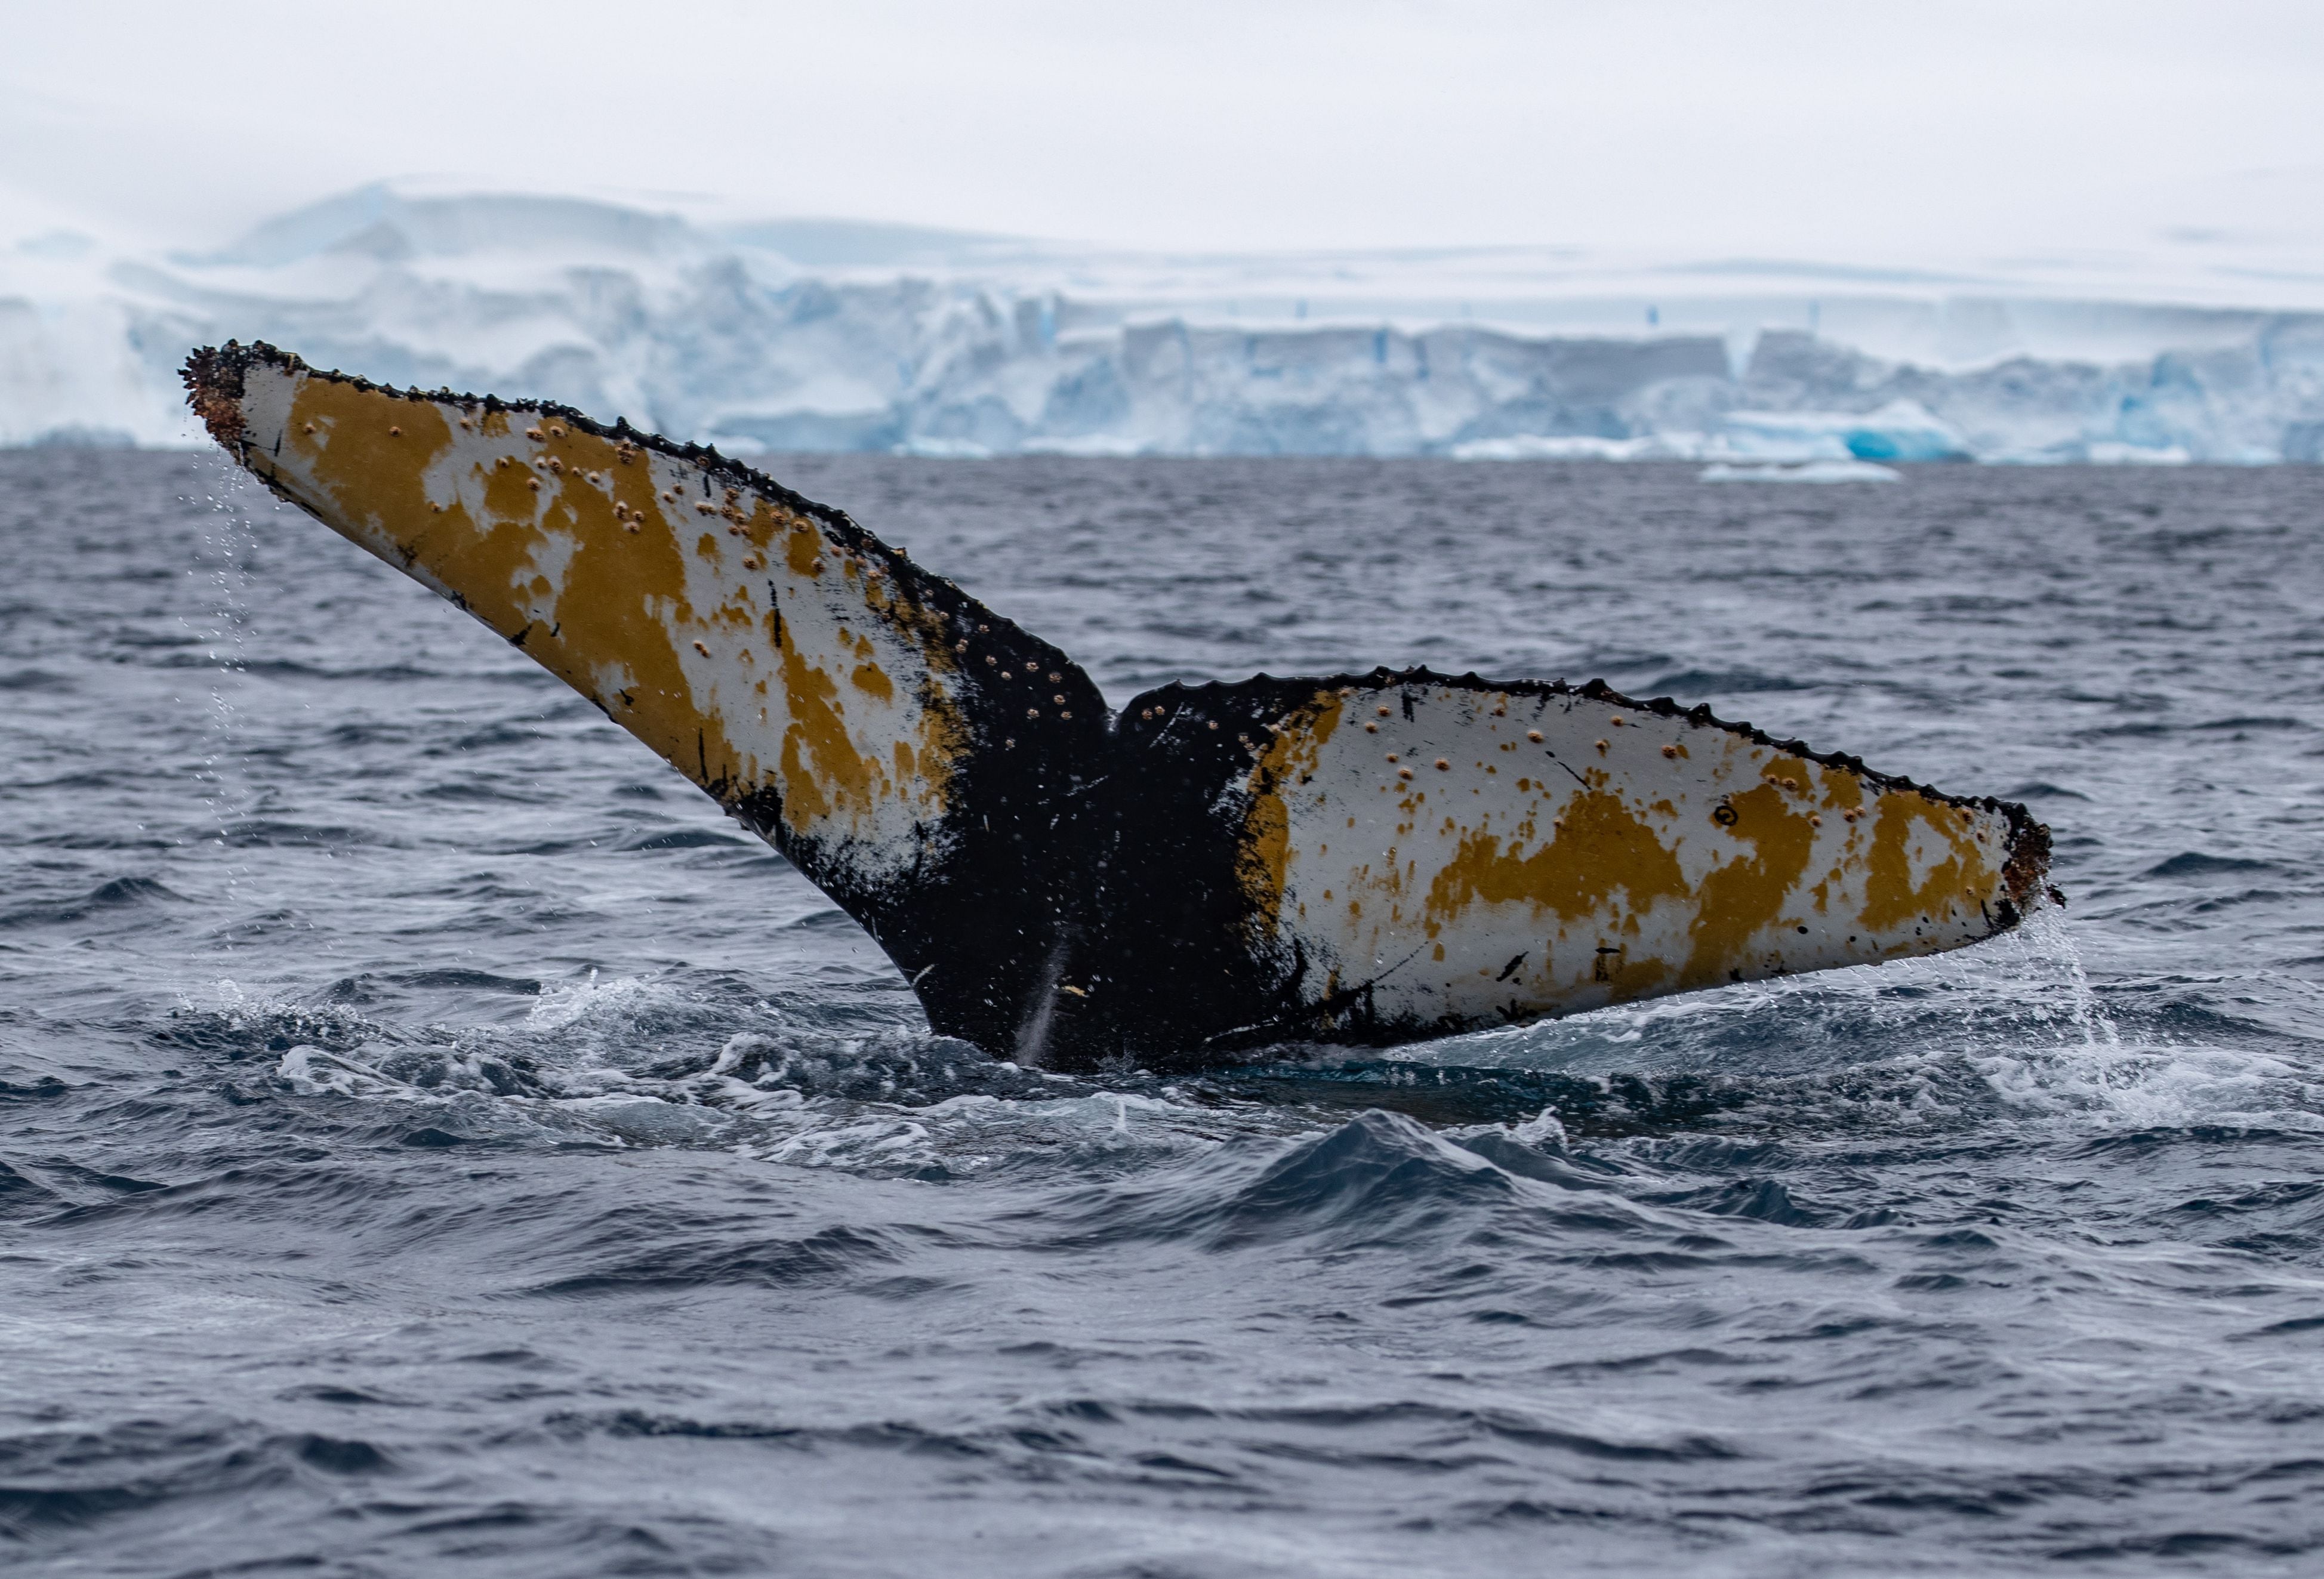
[1370,857]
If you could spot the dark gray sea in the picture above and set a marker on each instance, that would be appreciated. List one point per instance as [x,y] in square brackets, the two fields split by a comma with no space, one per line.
[382,1195]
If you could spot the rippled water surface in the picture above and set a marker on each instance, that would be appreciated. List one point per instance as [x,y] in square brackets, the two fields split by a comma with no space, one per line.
[433,1140]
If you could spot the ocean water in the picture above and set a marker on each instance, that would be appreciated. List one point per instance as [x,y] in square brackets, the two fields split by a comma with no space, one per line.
[434,1142]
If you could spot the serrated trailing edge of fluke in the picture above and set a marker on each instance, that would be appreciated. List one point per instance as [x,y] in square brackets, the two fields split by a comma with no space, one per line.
[1361,857]
[2032,863]
[213,377]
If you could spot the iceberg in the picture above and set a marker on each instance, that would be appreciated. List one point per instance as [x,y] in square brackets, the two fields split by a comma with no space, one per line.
[1903,430]
[2106,453]
[1814,471]
[828,335]
[1575,447]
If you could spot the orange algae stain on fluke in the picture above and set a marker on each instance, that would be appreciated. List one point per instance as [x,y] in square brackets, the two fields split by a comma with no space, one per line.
[1744,897]
[1283,766]
[1602,849]
[823,770]
[1913,831]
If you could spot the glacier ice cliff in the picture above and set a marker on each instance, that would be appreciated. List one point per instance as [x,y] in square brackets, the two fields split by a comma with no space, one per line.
[815,334]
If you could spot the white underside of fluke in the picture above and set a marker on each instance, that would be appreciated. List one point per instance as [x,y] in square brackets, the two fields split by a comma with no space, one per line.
[1475,856]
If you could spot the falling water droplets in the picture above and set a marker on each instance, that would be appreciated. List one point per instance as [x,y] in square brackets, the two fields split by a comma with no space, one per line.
[229,544]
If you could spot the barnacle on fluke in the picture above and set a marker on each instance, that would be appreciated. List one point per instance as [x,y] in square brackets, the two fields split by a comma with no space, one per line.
[1215,867]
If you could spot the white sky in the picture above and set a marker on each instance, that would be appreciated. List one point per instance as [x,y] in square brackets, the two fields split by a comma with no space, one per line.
[1880,128]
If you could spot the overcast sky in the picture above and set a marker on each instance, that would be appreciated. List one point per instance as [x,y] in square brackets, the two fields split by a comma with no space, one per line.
[1778,127]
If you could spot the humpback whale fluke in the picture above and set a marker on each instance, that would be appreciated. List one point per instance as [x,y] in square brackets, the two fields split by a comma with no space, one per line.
[1364,858]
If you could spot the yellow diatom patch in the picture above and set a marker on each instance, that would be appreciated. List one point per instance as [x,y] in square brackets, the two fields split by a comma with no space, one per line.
[1920,858]
[1599,849]
[1298,742]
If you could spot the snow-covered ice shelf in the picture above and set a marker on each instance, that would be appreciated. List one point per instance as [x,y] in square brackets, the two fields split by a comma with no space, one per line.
[810,334]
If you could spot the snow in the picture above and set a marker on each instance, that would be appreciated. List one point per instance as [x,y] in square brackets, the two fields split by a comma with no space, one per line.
[805,334]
